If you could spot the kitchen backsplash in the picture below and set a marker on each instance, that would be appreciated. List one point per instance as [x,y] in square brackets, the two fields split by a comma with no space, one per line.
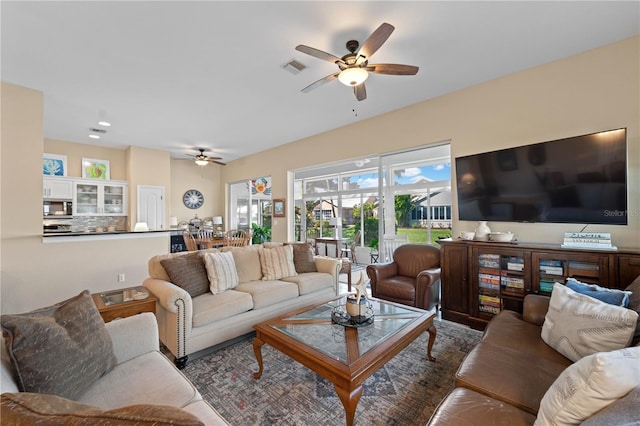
[91,223]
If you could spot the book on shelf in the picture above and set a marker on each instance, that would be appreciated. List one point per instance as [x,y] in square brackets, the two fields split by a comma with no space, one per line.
[586,240]
[550,262]
[546,286]
[489,300]
[513,282]
[489,309]
[490,278]
[552,270]
[513,266]
[489,286]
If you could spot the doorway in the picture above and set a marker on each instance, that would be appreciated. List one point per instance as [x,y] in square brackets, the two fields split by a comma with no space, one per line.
[151,206]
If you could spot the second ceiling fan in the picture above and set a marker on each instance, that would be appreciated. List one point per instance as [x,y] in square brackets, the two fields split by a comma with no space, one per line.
[354,66]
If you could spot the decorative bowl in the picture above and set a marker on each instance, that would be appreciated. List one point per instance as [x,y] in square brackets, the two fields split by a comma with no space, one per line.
[467,235]
[501,236]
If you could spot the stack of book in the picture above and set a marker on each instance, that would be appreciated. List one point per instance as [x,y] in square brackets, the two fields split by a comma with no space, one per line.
[551,267]
[588,240]
[489,304]
[512,283]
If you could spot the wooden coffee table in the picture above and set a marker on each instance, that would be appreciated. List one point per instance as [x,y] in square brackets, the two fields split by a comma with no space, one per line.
[344,355]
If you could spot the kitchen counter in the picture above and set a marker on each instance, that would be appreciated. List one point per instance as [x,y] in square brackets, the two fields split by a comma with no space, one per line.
[88,236]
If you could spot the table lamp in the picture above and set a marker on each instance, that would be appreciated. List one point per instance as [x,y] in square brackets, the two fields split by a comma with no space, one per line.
[217,223]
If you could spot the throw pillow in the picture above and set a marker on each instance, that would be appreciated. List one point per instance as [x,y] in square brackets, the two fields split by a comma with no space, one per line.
[577,325]
[32,408]
[61,349]
[221,270]
[607,295]
[277,262]
[634,304]
[590,385]
[188,272]
[303,258]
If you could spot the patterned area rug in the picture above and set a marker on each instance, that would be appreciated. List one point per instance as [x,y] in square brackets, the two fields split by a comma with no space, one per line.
[405,391]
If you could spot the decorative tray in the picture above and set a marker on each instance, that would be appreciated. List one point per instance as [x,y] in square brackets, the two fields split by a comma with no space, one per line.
[340,316]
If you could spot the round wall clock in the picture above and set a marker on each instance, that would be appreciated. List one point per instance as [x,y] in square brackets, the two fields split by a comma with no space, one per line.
[193,199]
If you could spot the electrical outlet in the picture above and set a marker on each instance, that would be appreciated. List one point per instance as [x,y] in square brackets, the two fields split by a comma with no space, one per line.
[120,278]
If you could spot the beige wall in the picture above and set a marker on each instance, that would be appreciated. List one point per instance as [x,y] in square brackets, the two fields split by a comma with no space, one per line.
[594,91]
[185,175]
[75,152]
[147,167]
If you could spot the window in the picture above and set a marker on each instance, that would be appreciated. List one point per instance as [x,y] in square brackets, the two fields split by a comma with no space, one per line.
[401,193]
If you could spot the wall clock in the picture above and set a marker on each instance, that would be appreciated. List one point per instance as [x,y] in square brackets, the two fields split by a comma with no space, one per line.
[193,199]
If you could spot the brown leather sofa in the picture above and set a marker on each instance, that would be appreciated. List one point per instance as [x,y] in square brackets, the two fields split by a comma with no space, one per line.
[412,278]
[503,379]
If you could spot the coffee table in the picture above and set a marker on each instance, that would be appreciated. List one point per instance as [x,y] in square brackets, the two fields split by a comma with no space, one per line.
[344,355]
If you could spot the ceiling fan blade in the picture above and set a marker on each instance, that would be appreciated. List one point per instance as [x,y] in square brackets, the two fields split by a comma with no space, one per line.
[360,91]
[392,69]
[375,40]
[218,162]
[320,82]
[319,54]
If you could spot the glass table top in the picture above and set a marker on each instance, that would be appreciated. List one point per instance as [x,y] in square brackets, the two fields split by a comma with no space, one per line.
[315,328]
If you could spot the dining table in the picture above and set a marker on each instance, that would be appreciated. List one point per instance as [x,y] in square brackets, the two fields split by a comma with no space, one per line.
[210,242]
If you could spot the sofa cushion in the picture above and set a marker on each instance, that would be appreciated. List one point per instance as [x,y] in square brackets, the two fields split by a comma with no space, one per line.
[634,304]
[577,325]
[311,282]
[277,262]
[133,380]
[508,329]
[266,293]
[247,261]
[33,408]
[61,349]
[303,257]
[221,269]
[589,385]
[466,407]
[209,307]
[611,296]
[188,271]
[507,374]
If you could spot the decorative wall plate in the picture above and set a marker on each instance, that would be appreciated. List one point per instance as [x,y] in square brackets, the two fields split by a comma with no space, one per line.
[193,199]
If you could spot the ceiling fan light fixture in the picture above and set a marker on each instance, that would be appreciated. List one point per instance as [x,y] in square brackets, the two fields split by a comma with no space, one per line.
[353,76]
[201,162]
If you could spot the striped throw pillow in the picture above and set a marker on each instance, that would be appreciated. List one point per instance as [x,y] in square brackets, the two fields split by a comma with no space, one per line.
[221,269]
[277,263]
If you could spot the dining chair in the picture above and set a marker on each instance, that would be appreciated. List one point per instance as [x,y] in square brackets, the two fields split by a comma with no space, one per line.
[350,252]
[235,238]
[189,241]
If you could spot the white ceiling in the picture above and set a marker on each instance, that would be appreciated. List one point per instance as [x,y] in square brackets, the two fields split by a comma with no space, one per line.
[178,75]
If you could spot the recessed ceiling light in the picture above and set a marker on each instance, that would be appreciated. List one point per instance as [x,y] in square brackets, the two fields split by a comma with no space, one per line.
[94,136]
[104,123]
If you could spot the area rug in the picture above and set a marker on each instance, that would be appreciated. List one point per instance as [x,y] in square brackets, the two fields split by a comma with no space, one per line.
[405,391]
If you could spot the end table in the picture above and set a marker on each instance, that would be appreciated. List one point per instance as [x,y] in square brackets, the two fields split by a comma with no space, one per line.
[124,302]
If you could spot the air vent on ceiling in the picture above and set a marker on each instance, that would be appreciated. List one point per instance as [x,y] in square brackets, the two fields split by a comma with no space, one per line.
[294,67]
[97,130]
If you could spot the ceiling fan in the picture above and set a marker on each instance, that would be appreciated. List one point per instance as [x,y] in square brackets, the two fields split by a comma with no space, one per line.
[354,66]
[203,160]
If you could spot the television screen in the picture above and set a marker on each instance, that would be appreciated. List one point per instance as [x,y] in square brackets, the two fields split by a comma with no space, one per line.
[582,179]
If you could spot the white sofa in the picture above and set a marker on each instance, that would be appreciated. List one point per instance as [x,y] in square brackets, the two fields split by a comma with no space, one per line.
[143,375]
[188,325]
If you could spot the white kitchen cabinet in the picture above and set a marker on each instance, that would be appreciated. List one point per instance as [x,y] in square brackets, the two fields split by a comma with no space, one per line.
[106,198]
[57,189]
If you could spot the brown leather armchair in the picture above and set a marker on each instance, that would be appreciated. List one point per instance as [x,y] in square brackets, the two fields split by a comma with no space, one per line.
[413,278]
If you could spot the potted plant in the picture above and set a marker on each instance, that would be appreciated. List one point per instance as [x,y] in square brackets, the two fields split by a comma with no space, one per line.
[261,234]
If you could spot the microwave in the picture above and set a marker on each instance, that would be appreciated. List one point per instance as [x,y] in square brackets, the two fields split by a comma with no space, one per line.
[57,208]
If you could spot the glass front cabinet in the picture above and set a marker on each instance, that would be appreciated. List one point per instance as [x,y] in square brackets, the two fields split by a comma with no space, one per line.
[500,280]
[99,198]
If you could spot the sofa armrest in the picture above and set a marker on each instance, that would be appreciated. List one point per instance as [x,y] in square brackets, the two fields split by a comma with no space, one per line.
[329,265]
[427,288]
[133,336]
[378,272]
[167,293]
[535,308]
[175,314]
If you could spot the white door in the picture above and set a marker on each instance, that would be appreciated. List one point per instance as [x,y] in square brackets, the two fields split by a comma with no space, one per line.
[151,206]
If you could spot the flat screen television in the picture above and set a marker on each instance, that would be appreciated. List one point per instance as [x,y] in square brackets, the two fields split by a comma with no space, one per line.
[581,179]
